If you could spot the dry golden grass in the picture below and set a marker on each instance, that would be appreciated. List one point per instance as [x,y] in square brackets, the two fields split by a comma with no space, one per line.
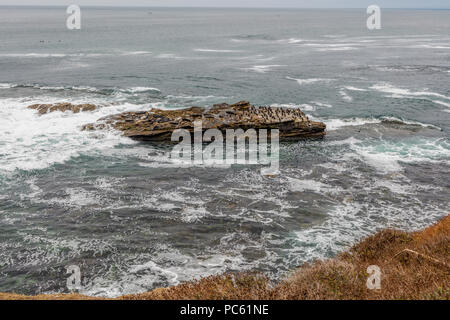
[413,265]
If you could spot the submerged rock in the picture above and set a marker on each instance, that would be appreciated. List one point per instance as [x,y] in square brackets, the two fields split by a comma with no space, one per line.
[75,108]
[158,125]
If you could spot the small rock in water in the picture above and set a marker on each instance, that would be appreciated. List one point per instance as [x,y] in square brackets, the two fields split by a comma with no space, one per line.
[75,108]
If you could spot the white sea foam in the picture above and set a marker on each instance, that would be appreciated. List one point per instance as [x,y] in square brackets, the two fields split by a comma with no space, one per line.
[442,103]
[134,53]
[329,45]
[429,46]
[386,156]
[81,88]
[336,49]
[349,222]
[56,55]
[303,106]
[142,272]
[34,55]
[169,56]
[72,55]
[307,107]
[345,95]
[51,88]
[285,105]
[141,89]
[335,124]
[75,198]
[30,141]
[6,85]
[303,185]
[309,80]
[312,106]
[383,162]
[193,214]
[334,36]
[76,88]
[294,40]
[411,122]
[350,88]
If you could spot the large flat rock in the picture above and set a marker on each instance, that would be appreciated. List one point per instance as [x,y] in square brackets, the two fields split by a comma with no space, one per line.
[63,107]
[158,125]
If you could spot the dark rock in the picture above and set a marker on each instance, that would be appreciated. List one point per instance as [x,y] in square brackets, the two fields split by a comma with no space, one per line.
[75,108]
[158,125]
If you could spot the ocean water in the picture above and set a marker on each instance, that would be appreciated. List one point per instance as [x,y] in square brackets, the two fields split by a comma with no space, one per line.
[109,204]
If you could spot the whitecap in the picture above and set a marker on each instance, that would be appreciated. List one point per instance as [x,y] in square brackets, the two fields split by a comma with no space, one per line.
[309,80]
[33,55]
[336,49]
[134,53]
[303,185]
[6,85]
[217,50]
[335,124]
[169,56]
[321,104]
[388,88]
[140,89]
[263,68]
[347,223]
[394,187]
[345,95]
[329,45]
[410,122]
[429,46]
[445,104]
[30,141]
[85,88]
[386,156]
[303,106]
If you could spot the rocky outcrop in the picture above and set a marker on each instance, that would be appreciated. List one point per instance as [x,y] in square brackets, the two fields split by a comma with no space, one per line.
[158,125]
[75,108]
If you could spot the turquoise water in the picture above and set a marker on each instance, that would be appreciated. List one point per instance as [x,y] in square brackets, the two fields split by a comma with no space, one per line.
[112,206]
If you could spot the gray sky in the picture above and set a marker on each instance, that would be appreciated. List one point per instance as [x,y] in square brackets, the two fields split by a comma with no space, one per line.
[244,3]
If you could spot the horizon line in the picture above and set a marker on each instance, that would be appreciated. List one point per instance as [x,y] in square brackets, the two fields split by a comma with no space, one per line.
[212,7]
